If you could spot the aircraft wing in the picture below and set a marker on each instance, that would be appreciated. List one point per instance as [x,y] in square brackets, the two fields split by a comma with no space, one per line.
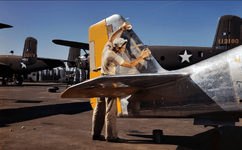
[52,63]
[118,86]
[72,44]
[3,64]
[5,26]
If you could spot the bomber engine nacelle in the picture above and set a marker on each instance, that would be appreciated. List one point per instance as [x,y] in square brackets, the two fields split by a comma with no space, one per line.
[30,51]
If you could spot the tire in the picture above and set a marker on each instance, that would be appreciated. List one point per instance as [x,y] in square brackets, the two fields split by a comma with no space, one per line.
[52,90]
[83,75]
[18,79]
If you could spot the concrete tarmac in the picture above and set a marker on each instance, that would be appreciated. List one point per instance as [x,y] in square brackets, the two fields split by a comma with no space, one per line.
[31,118]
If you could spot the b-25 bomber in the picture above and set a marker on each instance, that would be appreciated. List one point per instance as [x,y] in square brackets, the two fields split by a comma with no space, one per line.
[227,36]
[13,66]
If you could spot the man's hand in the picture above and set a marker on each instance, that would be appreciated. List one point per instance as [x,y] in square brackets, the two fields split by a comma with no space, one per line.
[145,53]
[126,26]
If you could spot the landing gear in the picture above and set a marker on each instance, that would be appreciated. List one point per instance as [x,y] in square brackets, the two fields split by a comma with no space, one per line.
[83,75]
[4,81]
[18,79]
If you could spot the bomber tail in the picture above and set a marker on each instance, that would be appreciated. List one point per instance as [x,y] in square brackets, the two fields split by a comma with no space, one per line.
[74,53]
[75,60]
[29,56]
[229,32]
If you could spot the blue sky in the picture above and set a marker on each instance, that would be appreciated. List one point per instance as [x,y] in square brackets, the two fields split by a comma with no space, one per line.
[176,23]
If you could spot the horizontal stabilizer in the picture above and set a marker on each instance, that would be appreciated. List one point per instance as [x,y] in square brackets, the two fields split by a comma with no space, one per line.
[53,63]
[72,44]
[5,26]
[118,86]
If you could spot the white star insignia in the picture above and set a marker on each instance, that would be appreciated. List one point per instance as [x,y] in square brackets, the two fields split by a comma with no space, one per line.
[23,65]
[185,57]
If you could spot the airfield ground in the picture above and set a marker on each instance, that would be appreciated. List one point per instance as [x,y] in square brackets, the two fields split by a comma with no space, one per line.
[31,118]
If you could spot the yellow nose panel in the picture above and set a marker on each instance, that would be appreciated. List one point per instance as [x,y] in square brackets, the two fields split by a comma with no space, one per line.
[98,37]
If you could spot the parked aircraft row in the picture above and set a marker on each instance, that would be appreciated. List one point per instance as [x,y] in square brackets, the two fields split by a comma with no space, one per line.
[12,66]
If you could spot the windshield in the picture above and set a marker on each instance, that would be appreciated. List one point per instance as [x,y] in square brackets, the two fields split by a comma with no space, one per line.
[132,52]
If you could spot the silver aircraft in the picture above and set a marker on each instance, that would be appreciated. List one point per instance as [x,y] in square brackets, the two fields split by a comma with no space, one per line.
[209,91]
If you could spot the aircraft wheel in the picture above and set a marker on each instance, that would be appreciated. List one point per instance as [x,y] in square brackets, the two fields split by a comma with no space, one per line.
[4,82]
[53,90]
[18,79]
[56,87]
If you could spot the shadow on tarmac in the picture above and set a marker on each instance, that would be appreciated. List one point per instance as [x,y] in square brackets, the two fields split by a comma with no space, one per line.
[8,116]
[222,138]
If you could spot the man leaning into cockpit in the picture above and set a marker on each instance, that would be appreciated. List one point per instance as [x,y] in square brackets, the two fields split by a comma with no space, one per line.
[106,108]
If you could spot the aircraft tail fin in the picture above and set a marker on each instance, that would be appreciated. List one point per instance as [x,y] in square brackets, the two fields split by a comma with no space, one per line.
[30,51]
[98,36]
[229,32]
[74,53]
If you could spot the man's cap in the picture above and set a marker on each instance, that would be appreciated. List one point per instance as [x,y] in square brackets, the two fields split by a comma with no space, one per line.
[118,42]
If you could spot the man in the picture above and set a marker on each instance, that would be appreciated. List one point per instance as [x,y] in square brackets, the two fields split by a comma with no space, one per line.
[108,106]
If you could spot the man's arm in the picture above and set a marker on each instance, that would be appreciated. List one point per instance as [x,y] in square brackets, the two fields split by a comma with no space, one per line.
[123,27]
[144,54]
